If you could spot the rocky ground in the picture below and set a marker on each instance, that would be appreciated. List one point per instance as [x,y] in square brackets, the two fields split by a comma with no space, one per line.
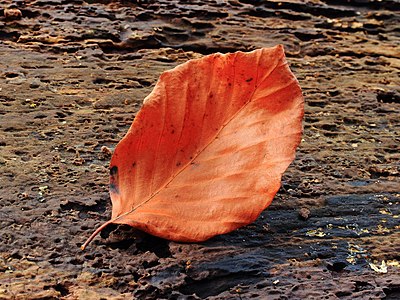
[74,73]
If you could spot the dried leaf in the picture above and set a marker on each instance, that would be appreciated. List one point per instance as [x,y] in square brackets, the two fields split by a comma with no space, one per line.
[385,212]
[316,232]
[382,268]
[207,150]
[351,259]
[393,263]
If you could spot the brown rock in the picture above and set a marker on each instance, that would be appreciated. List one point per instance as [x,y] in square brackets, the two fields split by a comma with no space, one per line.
[12,14]
[304,213]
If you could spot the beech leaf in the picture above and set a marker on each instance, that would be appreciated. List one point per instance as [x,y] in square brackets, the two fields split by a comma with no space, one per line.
[207,150]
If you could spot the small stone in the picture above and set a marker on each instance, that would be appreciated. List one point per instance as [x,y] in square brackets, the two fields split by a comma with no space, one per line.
[304,213]
[12,14]
[35,84]
[107,151]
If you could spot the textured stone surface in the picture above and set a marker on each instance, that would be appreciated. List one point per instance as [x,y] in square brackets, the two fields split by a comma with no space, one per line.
[72,76]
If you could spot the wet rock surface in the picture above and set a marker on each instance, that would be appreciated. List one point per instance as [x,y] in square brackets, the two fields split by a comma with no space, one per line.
[74,73]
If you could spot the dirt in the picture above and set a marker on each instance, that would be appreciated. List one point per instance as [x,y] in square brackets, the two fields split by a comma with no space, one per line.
[74,73]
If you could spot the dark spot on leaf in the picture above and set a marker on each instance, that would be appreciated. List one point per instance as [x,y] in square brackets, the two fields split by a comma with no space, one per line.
[114,188]
[113,171]
[248,80]
[114,180]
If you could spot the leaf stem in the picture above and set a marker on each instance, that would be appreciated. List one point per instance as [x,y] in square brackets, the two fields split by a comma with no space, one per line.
[96,233]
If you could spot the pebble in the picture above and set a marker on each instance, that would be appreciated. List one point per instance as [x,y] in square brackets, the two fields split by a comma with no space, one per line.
[35,84]
[304,213]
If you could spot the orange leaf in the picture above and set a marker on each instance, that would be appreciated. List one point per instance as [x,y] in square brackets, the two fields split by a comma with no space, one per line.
[206,152]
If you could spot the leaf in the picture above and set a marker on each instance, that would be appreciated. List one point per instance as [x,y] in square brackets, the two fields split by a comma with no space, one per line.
[382,268]
[317,232]
[206,152]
